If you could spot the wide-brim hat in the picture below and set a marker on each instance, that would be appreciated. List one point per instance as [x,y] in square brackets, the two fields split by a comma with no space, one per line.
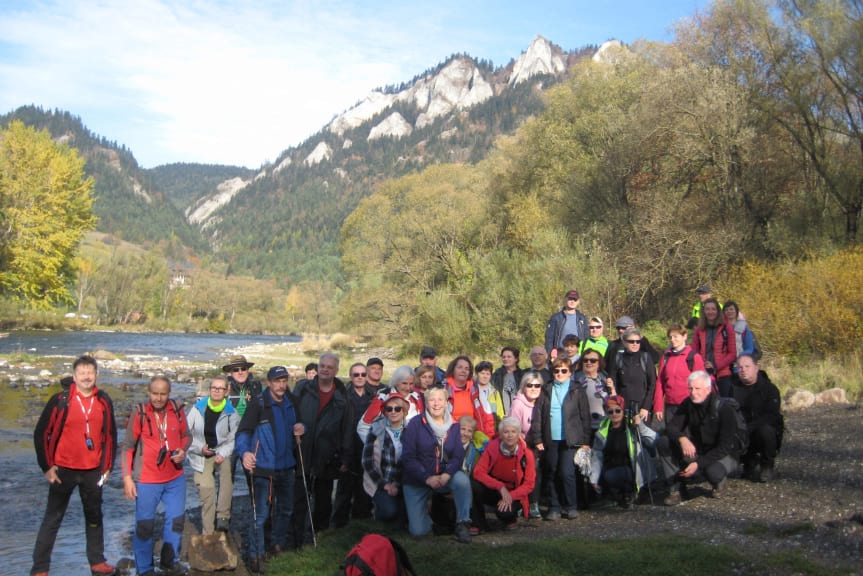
[238,361]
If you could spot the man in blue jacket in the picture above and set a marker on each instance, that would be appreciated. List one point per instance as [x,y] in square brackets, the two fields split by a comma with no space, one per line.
[265,442]
[567,321]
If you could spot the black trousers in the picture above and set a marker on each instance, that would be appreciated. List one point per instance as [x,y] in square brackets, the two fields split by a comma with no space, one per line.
[763,446]
[87,482]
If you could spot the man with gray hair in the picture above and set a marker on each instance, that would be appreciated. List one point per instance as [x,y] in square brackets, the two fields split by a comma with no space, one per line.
[326,449]
[701,444]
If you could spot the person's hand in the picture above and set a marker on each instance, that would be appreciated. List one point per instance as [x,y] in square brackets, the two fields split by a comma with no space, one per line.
[130,490]
[433,482]
[597,488]
[687,447]
[207,451]
[644,414]
[637,419]
[689,471]
[219,459]
[178,455]
[505,502]
[343,469]
[299,430]
[249,461]
[708,365]
[609,382]
[553,354]
[51,475]
[659,416]
[540,447]
[391,489]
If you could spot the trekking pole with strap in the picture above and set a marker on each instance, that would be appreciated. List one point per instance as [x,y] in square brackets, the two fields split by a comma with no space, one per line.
[252,488]
[306,488]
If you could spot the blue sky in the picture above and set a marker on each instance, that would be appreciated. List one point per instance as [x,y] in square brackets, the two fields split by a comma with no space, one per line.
[238,82]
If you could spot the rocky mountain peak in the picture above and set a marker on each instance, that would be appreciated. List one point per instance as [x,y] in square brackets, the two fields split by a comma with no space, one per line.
[541,57]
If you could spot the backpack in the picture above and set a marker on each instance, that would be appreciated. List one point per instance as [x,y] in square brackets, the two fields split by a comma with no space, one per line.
[757,353]
[377,555]
[741,432]
[690,359]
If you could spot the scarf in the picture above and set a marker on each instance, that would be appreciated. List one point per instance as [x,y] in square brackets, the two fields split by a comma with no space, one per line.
[216,407]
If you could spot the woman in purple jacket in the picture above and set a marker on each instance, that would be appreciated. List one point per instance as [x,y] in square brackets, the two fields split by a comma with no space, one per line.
[432,455]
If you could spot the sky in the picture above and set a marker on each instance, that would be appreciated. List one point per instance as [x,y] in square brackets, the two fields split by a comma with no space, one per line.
[238,82]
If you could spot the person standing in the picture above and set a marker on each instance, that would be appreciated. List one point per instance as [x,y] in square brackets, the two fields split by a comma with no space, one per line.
[567,321]
[714,340]
[157,440]
[75,441]
[506,379]
[266,445]
[213,425]
[374,374]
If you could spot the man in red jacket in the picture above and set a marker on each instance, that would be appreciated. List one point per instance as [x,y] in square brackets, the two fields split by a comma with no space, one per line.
[75,440]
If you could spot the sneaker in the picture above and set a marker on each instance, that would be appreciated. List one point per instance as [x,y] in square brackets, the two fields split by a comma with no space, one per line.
[570,514]
[223,524]
[475,530]
[462,532]
[552,515]
[103,569]
[534,511]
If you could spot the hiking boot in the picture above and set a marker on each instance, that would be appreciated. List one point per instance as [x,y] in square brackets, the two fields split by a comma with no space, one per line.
[176,569]
[552,515]
[719,491]
[103,569]
[511,525]
[275,551]
[673,498]
[569,514]
[462,532]
[625,502]
[257,566]
[767,474]
[534,513]
[223,524]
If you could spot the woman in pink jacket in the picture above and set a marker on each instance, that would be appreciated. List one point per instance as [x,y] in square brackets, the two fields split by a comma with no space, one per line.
[676,364]
[714,339]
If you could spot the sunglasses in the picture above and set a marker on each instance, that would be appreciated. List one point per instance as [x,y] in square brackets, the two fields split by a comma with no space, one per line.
[357,374]
[235,370]
[393,409]
[590,360]
[595,327]
[536,385]
[615,410]
[633,341]
[561,370]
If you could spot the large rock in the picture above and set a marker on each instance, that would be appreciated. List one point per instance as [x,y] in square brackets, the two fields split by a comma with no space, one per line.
[831,396]
[799,399]
[212,552]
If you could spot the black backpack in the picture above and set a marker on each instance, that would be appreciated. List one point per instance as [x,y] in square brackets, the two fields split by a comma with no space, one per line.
[741,433]
[377,555]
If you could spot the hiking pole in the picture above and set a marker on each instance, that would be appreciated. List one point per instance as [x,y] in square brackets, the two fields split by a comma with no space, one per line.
[306,488]
[640,444]
[252,489]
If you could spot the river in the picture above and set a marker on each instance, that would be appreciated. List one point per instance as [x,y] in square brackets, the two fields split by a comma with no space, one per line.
[22,484]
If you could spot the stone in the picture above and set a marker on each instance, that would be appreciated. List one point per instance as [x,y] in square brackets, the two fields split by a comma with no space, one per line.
[212,552]
[799,399]
[831,396]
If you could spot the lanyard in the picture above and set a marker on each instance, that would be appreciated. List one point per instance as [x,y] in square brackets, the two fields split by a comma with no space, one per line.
[86,414]
[162,425]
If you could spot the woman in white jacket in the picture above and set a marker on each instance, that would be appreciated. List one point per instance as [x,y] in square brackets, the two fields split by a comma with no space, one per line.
[213,424]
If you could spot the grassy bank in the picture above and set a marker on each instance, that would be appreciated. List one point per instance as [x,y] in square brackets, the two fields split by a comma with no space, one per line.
[538,554]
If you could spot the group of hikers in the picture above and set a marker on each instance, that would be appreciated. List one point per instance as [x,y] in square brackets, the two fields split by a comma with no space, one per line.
[433,450]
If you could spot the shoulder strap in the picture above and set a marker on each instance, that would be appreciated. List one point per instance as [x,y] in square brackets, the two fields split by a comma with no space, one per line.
[690,359]
[406,568]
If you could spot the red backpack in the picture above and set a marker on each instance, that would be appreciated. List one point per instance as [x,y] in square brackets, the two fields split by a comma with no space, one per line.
[377,555]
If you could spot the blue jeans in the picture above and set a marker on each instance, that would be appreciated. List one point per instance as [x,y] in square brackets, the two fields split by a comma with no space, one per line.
[172,495]
[619,480]
[388,507]
[416,498]
[283,503]
[561,476]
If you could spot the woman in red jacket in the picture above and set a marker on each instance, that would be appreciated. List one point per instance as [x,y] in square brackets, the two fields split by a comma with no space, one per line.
[675,366]
[714,339]
[505,474]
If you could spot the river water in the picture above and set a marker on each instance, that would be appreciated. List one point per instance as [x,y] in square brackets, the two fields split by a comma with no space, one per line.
[22,485]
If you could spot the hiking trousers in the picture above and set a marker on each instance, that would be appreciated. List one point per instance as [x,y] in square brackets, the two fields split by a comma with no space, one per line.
[172,495]
[87,482]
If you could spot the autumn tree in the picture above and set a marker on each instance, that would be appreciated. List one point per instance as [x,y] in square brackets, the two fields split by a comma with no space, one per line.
[45,208]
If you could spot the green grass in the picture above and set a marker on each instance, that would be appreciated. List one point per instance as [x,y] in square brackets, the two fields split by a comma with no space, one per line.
[537,554]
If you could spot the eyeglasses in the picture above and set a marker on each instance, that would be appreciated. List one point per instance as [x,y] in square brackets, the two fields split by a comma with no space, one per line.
[393,409]
[561,370]
[615,410]
[235,370]
[633,341]
[595,327]
[534,385]
[357,374]
[217,388]
[590,360]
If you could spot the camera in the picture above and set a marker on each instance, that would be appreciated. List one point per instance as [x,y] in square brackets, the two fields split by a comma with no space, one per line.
[89,442]
[633,407]
[163,453]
